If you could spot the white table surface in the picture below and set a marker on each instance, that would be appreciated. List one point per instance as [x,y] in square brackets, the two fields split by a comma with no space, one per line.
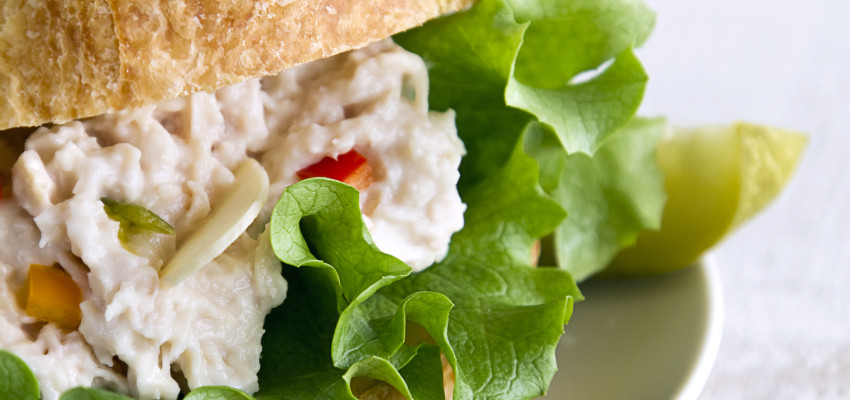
[786,274]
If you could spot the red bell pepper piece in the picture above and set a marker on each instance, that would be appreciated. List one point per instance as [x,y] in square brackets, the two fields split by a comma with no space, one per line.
[351,168]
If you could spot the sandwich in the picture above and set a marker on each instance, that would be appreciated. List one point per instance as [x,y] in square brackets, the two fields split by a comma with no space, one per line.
[276,200]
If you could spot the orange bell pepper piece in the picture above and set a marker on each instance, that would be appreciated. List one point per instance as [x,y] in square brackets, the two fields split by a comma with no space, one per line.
[50,295]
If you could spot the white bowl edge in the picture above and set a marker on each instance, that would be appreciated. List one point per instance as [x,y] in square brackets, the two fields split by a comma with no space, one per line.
[711,345]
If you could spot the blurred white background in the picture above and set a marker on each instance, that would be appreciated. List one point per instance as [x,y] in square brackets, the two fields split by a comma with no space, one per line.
[786,275]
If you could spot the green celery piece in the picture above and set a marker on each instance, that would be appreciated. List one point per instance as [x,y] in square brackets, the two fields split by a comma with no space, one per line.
[610,197]
[134,219]
[16,379]
[137,217]
[567,37]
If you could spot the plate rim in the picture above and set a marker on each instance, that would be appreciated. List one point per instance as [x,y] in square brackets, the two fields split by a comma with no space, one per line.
[712,337]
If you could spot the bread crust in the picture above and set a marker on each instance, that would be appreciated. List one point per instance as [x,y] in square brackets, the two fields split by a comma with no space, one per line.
[67,59]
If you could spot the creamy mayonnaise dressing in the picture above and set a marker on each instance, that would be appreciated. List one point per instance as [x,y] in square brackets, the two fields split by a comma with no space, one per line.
[175,159]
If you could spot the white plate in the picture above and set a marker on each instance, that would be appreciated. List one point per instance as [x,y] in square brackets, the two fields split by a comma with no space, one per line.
[653,338]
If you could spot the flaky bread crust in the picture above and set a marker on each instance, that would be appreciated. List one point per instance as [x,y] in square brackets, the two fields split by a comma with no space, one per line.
[67,59]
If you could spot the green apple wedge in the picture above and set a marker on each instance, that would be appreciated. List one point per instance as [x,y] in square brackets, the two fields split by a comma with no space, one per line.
[715,178]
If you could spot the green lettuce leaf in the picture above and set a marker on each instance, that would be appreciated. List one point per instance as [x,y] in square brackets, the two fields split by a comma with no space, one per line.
[476,306]
[508,316]
[332,328]
[303,207]
[217,393]
[508,65]
[297,361]
[16,379]
[91,394]
[611,196]
[499,74]
[568,37]
[565,38]
[584,115]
